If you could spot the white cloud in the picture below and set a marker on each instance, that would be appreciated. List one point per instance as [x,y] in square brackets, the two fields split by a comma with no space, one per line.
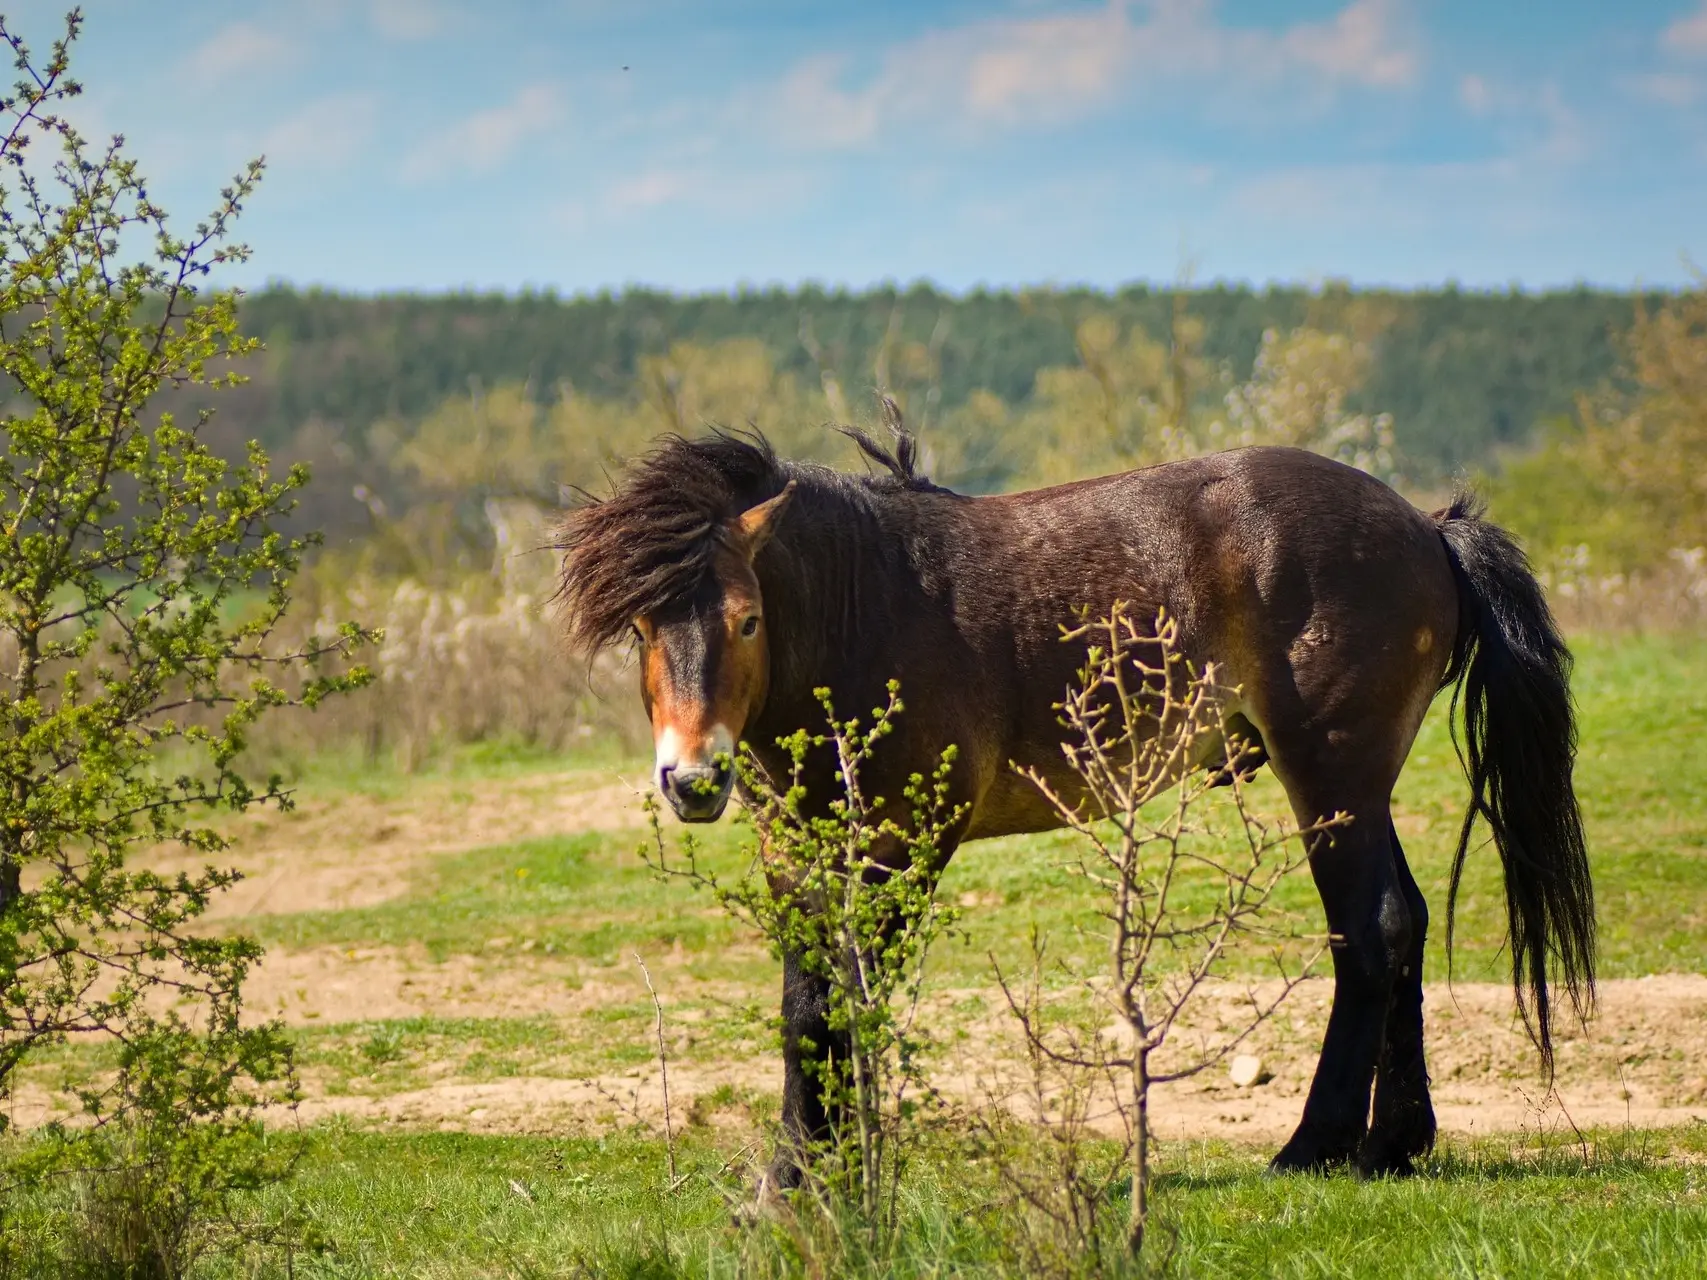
[1670,88]
[811,105]
[407,19]
[1476,95]
[1009,71]
[1358,46]
[325,135]
[243,48]
[484,141]
[1688,35]
[1056,64]
[719,190]
[1551,130]
[647,191]
[1533,120]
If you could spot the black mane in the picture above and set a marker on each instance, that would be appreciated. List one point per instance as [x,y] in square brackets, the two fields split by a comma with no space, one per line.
[652,541]
[901,462]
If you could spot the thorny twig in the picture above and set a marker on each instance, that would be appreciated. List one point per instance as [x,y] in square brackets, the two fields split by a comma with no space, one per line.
[663,1068]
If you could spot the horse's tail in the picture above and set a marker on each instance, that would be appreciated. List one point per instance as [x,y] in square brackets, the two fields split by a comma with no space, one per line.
[1511,670]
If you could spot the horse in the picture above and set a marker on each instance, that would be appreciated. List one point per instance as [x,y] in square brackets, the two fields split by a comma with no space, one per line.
[1336,608]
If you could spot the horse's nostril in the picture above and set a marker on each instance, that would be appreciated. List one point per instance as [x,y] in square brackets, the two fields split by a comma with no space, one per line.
[696,784]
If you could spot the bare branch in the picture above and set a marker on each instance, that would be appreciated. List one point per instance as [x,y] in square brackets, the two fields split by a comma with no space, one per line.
[1146,727]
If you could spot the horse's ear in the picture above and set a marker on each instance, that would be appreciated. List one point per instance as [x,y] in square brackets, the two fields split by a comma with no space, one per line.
[750,530]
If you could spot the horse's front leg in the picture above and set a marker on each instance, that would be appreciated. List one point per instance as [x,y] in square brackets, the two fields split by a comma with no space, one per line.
[811,1050]
[808,1046]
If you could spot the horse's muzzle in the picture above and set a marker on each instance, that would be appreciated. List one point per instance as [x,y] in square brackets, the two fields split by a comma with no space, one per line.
[697,794]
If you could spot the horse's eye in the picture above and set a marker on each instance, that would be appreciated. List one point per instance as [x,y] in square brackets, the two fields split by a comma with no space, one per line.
[639,637]
[750,627]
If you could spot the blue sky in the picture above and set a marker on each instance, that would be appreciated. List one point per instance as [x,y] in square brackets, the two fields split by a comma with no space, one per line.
[705,144]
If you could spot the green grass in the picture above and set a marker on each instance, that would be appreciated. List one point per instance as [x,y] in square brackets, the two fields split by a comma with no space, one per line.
[448,1204]
[1631,1209]
[1642,779]
[348,768]
[381,1057]
[397,1203]
[587,896]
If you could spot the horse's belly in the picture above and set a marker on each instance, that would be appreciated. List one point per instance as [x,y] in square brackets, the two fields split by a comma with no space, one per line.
[1014,806]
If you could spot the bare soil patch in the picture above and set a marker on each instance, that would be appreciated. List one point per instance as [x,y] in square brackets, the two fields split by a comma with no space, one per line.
[326,985]
[1643,1060]
[1644,1064]
[352,850]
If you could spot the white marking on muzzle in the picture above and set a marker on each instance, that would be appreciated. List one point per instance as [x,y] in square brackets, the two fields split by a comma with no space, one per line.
[671,751]
[667,750]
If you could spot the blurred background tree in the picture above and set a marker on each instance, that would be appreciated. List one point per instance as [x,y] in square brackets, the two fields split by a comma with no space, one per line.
[1625,481]
[1297,396]
[1468,377]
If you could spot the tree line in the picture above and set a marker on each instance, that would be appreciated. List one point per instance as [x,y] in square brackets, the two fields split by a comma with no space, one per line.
[1463,374]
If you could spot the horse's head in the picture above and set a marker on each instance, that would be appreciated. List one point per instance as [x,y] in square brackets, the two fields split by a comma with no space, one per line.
[705,668]
[668,558]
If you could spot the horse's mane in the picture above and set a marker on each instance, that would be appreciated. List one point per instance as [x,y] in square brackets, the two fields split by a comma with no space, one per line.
[901,462]
[651,543]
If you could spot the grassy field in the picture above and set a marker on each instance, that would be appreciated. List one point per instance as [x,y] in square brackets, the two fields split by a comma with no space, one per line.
[471,1021]
[1637,1206]
[412,1204]
[1642,778]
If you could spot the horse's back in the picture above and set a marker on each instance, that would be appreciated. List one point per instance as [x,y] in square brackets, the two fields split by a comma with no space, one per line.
[1319,591]
[1251,549]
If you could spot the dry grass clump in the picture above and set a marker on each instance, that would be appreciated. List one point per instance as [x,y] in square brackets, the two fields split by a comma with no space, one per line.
[480,661]
[1671,595]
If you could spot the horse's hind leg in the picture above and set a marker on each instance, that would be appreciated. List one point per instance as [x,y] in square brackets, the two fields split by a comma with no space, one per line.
[1370,923]
[1404,1115]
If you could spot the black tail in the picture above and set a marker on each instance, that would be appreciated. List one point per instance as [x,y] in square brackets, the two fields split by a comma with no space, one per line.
[1512,671]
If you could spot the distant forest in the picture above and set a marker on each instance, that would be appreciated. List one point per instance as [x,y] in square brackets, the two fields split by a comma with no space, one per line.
[1462,373]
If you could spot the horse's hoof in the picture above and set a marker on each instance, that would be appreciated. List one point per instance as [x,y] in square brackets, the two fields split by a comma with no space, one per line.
[1305,1154]
[1393,1166]
[1389,1149]
[782,1175]
[1370,1166]
[768,1196]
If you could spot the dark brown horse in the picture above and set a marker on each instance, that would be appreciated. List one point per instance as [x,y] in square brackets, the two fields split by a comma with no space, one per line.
[1336,607]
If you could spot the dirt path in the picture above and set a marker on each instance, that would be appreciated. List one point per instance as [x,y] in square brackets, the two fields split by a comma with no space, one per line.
[1643,1061]
[354,850]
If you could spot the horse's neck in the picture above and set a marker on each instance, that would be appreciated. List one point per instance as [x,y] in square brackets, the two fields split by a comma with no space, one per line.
[845,581]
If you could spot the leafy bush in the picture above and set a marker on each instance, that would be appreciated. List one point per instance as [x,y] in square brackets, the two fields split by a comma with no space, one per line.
[143,581]
[847,885]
